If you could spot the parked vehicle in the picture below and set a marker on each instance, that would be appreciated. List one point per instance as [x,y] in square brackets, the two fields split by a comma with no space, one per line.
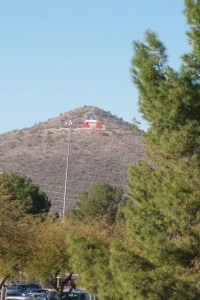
[14,293]
[38,294]
[25,286]
[75,294]
[20,289]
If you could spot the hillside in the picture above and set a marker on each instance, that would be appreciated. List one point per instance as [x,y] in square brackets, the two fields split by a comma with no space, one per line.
[40,153]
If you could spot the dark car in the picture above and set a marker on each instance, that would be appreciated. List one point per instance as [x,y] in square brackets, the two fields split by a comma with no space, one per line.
[14,293]
[39,294]
[73,295]
[19,289]
[25,286]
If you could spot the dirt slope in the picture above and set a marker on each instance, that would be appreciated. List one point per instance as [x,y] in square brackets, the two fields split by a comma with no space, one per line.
[40,152]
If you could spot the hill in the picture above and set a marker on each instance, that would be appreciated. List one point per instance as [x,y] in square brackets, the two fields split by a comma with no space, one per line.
[41,152]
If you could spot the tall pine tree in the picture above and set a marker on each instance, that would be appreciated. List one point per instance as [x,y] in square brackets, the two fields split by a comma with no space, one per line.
[161,239]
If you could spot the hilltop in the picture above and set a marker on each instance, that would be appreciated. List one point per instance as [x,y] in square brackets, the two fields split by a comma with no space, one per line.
[40,153]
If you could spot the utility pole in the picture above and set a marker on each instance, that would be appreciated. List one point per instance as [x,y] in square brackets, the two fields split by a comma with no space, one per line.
[67,166]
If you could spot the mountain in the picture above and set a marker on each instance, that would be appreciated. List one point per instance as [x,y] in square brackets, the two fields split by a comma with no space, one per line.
[43,153]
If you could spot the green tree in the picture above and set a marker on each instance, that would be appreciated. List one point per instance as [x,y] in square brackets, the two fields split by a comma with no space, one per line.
[17,233]
[91,229]
[88,248]
[49,257]
[160,242]
[100,200]
[21,202]
[161,237]
[27,194]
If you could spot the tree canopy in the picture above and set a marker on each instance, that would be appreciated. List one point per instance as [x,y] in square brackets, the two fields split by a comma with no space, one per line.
[17,233]
[161,237]
[91,229]
[99,200]
[27,195]
[49,255]
[21,204]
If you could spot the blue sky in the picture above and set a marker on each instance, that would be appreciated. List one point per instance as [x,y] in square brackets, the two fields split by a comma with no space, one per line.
[57,55]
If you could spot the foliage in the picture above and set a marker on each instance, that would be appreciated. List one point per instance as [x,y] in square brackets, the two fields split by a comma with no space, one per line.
[27,194]
[16,235]
[100,200]
[49,256]
[89,255]
[21,204]
[91,229]
[161,237]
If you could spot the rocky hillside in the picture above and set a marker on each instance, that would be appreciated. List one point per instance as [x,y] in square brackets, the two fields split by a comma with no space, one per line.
[41,153]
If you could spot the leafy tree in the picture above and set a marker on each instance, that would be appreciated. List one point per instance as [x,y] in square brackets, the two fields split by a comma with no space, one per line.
[27,194]
[50,258]
[91,229]
[100,200]
[88,247]
[20,201]
[16,235]
[160,244]
[161,238]
[50,250]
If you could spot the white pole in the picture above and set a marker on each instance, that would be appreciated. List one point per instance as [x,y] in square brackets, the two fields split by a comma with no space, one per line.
[3,293]
[66,171]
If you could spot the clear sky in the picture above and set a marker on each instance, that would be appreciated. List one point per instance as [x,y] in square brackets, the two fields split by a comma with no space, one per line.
[57,55]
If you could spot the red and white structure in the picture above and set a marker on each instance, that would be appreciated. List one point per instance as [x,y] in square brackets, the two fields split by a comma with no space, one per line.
[91,122]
